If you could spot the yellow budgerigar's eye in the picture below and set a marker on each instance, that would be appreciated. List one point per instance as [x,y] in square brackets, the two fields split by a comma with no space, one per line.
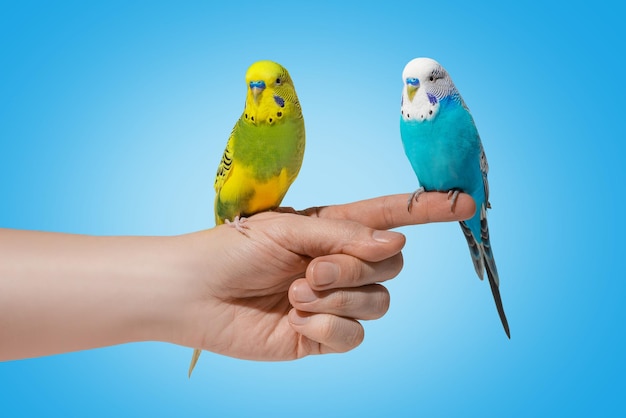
[278,81]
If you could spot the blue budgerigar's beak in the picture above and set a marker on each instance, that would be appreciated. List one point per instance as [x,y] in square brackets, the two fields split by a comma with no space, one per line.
[412,84]
[257,87]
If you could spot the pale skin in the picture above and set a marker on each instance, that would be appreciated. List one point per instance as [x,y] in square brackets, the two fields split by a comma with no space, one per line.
[294,286]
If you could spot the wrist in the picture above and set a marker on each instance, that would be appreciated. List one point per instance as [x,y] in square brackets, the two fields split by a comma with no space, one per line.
[183,302]
[167,290]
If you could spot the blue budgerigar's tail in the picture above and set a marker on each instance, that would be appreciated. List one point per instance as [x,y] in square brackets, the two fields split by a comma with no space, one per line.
[475,250]
[495,290]
[482,257]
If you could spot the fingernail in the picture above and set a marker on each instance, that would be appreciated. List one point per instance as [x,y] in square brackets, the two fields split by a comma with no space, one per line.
[325,273]
[303,293]
[296,319]
[383,236]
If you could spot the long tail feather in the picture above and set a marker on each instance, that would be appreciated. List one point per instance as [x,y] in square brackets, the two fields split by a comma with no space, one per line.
[483,259]
[474,248]
[496,297]
[490,262]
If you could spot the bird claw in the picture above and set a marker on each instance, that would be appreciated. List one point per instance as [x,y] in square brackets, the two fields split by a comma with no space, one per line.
[414,196]
[453,196]
[239,223]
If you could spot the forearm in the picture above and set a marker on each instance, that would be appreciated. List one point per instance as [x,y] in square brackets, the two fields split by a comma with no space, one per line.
[64,292]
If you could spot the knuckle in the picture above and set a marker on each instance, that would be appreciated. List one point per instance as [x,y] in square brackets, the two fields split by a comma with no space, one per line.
[341,300]
[388,212]
[326,328]
[382,302]
[390,268]
[355,338]
[378,302]
[355,271]
[340,333]
[397,265]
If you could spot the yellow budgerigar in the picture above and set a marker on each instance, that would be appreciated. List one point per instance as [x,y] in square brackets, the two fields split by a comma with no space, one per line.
[264,151]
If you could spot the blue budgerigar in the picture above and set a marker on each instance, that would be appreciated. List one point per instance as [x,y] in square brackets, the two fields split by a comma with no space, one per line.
[442,143]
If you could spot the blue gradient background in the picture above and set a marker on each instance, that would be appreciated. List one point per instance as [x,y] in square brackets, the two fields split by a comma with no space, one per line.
[113,118]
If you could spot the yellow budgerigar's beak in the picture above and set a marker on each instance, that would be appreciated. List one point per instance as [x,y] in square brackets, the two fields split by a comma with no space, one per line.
[257,88]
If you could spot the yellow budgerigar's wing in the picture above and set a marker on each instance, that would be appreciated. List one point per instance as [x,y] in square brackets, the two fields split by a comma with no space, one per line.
[225,165]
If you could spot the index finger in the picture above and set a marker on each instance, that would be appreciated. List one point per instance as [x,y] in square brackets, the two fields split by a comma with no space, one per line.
[387,212]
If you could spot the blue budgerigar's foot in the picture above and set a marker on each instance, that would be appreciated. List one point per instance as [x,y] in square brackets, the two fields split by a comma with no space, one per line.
[239,223]
[413,197]
[453,196]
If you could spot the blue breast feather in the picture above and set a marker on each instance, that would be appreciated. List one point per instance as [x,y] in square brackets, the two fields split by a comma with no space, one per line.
[444,151]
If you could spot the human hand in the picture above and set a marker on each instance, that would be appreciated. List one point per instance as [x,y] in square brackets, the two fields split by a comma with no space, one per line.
[297,285]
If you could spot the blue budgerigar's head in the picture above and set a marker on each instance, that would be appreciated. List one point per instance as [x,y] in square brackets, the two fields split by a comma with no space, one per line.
[427,74]
[426,83]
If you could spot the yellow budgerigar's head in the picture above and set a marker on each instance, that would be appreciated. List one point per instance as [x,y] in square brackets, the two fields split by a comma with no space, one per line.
[271,93]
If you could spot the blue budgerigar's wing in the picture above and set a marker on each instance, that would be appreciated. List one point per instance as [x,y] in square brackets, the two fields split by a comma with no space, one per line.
[484,168]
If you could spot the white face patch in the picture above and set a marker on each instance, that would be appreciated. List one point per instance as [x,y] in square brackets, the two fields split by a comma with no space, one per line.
[423,107]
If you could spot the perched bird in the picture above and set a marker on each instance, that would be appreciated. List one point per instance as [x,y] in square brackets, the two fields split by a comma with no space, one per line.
[264,151]
[444,148]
